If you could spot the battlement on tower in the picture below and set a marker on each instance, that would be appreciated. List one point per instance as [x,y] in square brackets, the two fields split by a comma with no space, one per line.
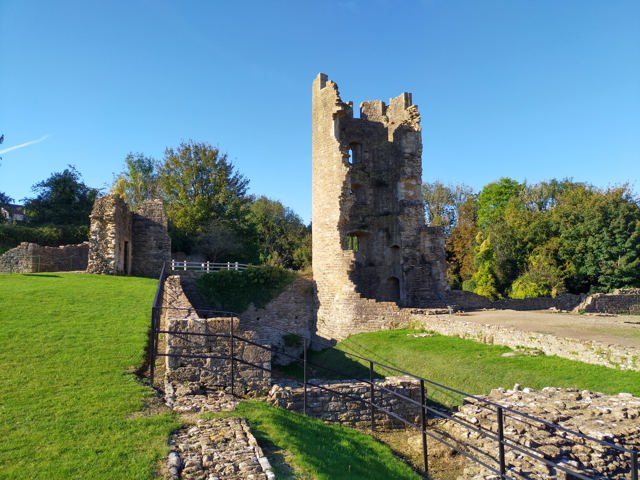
[370,242]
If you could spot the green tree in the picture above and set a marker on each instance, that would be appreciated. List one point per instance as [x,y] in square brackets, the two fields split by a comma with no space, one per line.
[200,185]
[599,233]
[62,199]
[223,241]
[442,203]
[461,242]
[139,181]
[493,200]
[282,238]
[484,279]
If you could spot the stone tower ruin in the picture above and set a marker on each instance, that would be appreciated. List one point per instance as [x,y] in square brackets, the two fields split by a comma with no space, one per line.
[122,242]
[372,250]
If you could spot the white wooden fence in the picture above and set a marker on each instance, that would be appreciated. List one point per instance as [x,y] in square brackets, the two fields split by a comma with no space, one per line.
[206,266]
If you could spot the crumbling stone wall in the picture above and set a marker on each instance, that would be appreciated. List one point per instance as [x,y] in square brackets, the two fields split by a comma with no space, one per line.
[150,238]
[286,321]
[624,301]
[334,407]
[110,243]
[612,418]
[126,243]
[31,257]
[208,337]
[369,237]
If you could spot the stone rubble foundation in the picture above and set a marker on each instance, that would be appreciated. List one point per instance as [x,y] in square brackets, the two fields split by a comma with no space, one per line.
[216,449]
[612,418]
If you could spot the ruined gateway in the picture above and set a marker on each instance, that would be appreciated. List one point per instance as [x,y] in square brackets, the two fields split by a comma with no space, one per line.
[372,250]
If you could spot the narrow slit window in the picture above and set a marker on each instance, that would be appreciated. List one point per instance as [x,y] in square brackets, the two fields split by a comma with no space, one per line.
[355,153]
[352,243]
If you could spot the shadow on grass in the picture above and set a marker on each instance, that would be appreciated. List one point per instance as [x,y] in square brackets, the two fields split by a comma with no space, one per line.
[44,275]
[329,364]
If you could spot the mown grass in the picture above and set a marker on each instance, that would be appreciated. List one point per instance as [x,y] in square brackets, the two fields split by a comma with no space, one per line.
[466,365]
[319,450]
[68,399]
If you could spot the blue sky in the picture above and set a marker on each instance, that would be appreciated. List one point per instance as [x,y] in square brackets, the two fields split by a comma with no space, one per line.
[521,88]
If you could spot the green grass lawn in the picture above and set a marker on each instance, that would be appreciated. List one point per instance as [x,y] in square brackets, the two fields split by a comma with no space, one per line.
[68,343]
[319,450]
[469,366]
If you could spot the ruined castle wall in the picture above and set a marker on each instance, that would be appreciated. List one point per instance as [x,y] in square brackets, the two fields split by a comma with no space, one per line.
[285,321]
[110,237]
[125,243]
[370,242]
[31,257]
[337,407]
[624,301]
[213,371]
[150,239]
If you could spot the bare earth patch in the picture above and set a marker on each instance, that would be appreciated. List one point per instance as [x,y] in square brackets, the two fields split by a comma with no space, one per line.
[618,329]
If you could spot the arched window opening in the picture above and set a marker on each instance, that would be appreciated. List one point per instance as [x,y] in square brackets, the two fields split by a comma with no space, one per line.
[390,290]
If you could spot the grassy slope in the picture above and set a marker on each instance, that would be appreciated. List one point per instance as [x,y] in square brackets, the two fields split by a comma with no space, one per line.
[66,399]
[471,366]
[322,451]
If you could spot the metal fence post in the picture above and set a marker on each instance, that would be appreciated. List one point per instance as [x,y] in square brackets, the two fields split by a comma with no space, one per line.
[152,346]
[232,355]
[634,464]
[423,423]
[371,397]
[501,443]
[304,374]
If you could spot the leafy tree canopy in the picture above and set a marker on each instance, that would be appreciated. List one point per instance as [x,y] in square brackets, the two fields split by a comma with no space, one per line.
[139,181]
[442,203]
[62,199]
[282,237]
[200,184]
[494,198]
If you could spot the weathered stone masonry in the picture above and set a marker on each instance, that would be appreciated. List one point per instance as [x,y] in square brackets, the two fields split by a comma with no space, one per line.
[31,257]
[186,375]
[370,242]
[126,243]
[346,404]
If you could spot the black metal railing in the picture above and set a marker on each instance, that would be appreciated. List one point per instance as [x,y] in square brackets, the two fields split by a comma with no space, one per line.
[494,461]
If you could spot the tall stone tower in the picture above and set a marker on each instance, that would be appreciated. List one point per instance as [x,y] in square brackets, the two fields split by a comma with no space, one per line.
[372,250]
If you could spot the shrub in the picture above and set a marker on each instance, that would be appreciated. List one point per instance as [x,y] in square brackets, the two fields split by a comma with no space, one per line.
[52,236]
[235,290]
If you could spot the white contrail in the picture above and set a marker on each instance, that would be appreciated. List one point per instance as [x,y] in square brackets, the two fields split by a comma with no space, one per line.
[22,145]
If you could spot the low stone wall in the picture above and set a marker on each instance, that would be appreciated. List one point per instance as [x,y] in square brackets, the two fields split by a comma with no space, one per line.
[31,257]
[463,300]
[208,338]
[614,419]
[285,321]
[335,406]
[597,353]
[624,301]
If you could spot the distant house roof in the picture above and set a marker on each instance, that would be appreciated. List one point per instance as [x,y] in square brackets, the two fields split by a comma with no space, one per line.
[11,211]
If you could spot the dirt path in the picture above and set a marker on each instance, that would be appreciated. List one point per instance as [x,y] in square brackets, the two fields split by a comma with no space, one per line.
[617,330]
